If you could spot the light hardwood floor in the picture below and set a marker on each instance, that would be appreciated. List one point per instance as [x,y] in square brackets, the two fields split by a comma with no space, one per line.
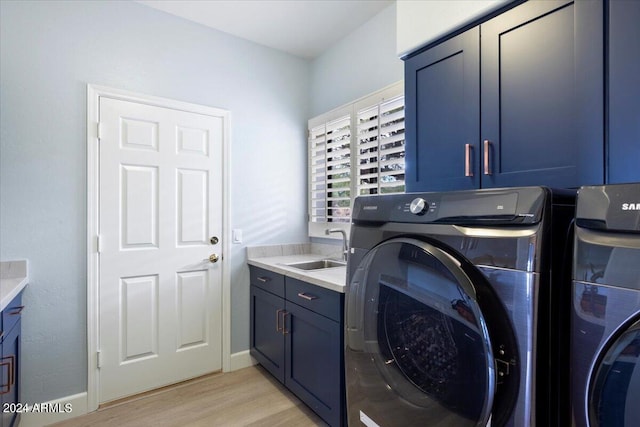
[247,397]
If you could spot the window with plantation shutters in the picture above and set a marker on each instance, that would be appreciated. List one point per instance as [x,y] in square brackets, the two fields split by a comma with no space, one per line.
[357,149]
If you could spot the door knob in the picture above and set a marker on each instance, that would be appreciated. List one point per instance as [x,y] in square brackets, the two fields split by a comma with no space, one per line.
[214,240]
[213,258]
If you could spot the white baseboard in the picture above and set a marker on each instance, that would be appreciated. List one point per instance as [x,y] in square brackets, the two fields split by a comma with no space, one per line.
[55,411]
[241,360]
[74,406]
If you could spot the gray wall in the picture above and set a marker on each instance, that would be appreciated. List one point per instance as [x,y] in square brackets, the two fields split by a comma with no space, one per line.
[50,50]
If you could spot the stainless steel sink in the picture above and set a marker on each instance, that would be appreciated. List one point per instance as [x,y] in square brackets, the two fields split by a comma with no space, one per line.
[317,265]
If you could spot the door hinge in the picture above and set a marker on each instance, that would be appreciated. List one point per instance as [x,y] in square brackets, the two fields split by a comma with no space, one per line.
[98,244]
[99,359]
[99,130]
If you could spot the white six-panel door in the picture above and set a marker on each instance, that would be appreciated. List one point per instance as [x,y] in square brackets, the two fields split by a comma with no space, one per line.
[160,205]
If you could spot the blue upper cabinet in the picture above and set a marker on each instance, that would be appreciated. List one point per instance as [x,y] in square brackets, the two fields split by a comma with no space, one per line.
[624,91]
[522,106]
[442,115]
[542,95]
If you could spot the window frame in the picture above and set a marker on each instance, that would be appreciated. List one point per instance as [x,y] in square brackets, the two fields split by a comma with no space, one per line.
[317,229]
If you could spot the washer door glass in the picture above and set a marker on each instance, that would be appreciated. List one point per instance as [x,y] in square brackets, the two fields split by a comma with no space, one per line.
[424,329]
[614,392]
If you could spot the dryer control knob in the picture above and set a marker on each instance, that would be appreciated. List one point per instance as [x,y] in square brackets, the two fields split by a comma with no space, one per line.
[418,206]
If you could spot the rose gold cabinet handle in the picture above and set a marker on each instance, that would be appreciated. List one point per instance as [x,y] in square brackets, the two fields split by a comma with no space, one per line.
[487,146]
[307,297]
[6,388]
[467,160]
[278,328]
[16,310]
[284,323]
[10,363]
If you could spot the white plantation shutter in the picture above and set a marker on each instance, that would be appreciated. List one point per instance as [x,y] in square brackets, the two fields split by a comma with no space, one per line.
[330,174]
[380,148]
[355,150]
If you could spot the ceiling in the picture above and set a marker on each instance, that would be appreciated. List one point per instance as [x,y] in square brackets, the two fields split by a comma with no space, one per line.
[304,28]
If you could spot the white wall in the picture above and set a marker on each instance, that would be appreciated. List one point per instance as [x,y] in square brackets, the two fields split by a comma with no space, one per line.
[422,22]
[363,62]
[49,51]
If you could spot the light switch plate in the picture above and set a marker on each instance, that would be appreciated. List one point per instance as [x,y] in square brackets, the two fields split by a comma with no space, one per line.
[236,235]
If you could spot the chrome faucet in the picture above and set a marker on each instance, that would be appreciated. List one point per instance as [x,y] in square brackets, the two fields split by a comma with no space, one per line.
[344,240]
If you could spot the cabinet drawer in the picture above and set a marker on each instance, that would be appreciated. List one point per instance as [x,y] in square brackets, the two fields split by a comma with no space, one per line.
[11,314]
[320,300]
[267,280]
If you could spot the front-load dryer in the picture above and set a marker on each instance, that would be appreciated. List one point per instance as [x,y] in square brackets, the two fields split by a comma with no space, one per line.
[605,326]
[452,312]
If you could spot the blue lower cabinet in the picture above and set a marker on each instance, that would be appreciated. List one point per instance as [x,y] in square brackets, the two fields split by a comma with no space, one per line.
[314,361]
[10,349]
[298,339]
[267,340]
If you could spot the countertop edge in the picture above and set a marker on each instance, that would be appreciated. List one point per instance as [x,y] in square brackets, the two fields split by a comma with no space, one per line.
[14,277]
[10,289]
[331,278]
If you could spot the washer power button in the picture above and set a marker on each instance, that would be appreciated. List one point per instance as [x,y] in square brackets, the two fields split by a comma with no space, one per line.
[418,206]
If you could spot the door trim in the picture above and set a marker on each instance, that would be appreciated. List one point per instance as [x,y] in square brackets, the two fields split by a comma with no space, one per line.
[94,92]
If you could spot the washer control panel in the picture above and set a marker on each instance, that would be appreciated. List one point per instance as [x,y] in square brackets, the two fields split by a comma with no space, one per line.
[495,206]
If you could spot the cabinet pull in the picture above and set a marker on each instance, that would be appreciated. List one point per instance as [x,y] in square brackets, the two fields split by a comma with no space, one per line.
[307,297]
[16,310]
[8,385]
[284,323]
[467,160]
[487,146]
[278,328]
[264,279]
[11,367]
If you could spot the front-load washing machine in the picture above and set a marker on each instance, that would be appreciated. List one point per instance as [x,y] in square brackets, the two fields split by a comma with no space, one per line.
[452,312]
[605,324]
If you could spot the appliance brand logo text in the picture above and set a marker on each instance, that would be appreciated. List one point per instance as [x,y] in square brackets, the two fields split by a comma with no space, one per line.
[631,206]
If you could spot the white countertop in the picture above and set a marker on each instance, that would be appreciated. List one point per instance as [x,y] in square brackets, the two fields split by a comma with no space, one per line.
[14,276]
[329,278]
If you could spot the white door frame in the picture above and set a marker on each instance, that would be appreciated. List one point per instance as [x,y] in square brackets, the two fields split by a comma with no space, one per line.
[94,93]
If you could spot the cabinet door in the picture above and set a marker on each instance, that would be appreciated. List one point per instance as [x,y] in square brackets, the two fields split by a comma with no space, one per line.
[314,365]
[442,115]
[624,91]
[267,339]
[542,95]
[10,373]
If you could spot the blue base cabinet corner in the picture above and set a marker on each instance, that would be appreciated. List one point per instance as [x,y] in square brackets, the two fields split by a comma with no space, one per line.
[10,352]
